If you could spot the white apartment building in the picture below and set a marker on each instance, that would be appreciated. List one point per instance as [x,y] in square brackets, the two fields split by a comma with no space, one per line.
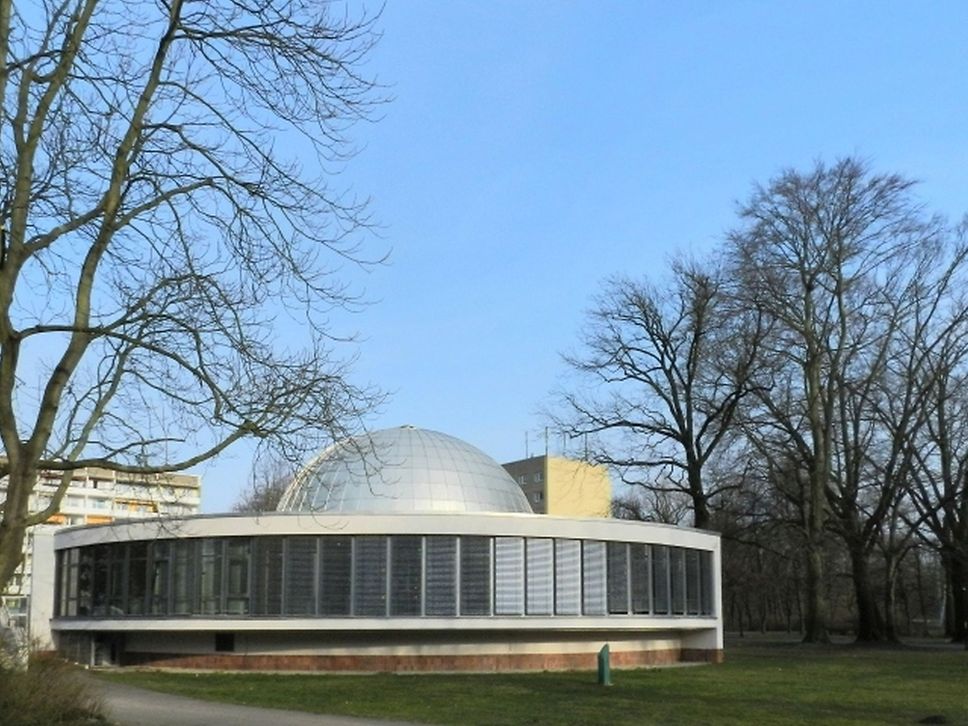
[95,496]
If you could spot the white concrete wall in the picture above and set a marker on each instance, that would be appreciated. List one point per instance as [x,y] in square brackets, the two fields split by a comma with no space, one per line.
[499,525]
[41,589]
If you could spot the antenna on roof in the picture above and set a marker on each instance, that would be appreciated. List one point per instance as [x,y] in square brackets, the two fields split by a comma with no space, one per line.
[546,440]
[526,454]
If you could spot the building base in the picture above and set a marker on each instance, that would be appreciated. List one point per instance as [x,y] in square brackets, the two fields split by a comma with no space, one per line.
[397,652]
[419,663]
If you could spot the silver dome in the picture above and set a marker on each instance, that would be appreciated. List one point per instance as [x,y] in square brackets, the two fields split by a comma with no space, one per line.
[403,469]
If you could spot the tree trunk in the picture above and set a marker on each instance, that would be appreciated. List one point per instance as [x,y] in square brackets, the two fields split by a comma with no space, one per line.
[11,551]
[922,603]
[959,597]
[13,528]
[815,620]
[956,612]
[891,567]
[870,627]
[700,507]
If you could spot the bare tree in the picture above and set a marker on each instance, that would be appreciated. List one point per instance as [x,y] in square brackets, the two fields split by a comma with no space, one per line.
[881,407]
[666,375]
[164,214]
[270,477]
[811,252]
[651,506]
[940,472]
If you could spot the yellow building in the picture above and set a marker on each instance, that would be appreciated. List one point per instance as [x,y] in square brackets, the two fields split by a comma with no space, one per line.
[563,487]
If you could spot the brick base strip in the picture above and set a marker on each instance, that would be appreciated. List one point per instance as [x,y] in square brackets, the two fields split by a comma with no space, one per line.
[421,663]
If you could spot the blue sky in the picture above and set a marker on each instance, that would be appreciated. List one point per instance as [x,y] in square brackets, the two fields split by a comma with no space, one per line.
[532,149]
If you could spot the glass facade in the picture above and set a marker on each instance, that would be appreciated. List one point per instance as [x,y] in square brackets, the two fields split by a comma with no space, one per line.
[383,576]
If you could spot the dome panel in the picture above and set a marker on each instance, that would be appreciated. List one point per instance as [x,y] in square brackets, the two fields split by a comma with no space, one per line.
[403,469]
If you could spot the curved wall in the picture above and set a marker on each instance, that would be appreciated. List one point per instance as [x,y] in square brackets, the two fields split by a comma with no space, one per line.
[367,592]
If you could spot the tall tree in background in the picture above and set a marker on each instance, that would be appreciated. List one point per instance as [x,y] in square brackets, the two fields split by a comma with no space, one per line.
[270,477]
[940,472]
[661,376]
[882,405]
[162,211]
[809,254]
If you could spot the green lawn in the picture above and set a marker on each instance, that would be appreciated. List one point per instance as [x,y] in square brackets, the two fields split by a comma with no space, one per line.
[759,684]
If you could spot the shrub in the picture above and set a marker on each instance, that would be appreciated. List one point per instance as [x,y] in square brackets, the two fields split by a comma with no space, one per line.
[49,693]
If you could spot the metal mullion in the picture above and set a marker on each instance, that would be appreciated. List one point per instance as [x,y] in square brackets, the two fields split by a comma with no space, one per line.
[492,546]
[221,560]
[670,553]
[423,575]
[125,577]
[554,576]
[457,578]
[388,548]
[648,579]
[284,577]
[169,604]
[353,575]
[194,575]
[524,574]
[629,610]
[317,575]
[321,548]
[581,577]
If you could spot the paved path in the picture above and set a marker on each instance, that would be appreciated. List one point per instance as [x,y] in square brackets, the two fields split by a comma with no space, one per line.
[130,706]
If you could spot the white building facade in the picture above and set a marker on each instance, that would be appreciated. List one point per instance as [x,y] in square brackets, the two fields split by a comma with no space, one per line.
[406,551]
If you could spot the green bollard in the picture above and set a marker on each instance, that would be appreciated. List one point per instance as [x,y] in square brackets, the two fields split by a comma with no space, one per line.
[604,668]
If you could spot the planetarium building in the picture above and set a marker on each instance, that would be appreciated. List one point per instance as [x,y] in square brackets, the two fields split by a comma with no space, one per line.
[403,549]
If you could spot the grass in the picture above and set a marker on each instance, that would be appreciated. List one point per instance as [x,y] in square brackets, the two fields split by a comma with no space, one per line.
[759,684]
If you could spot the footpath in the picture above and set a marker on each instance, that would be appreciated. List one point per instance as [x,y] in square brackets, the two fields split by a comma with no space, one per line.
[130,706]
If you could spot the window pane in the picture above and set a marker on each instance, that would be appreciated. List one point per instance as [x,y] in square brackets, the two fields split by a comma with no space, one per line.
[210,578]
[618,577]
[60,569]
[706,566]
[85,575]
[475,576]
[405,572]
[677,576]
[102,554]
[301,576]
[137,577]
[660,579]
[116,577]
[568,576]
[73,583]
[441,576]
[67,579]
[160,552]
[237,568]
[267,577]
[641,577]
[509,576]
[593,577]
[370,576]
[181,576]
[692,582]
[540,578]
[334,575]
